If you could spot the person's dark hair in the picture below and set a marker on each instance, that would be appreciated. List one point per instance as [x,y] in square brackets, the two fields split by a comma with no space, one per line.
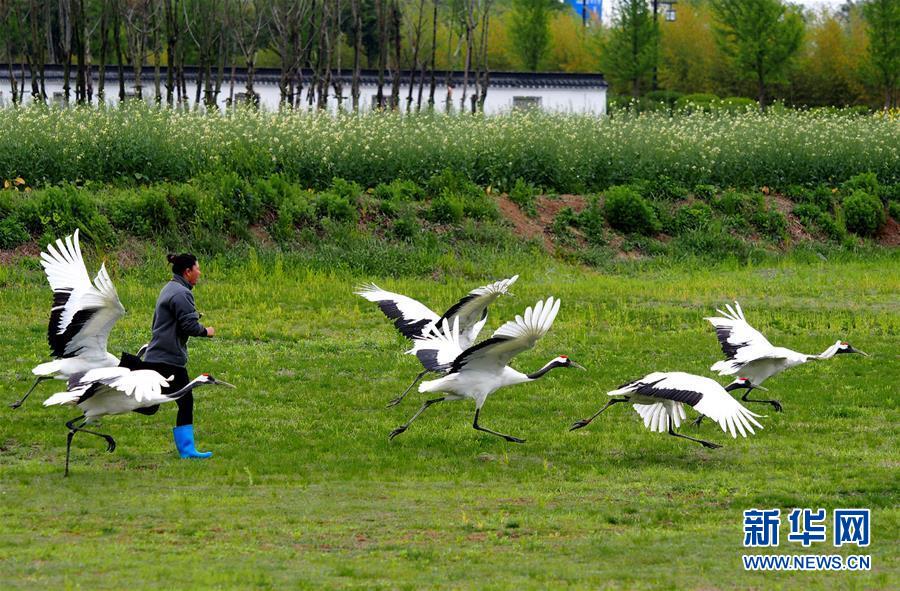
[181,262]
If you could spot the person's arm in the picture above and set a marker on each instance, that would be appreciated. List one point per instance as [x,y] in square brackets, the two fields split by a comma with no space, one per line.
[187,316]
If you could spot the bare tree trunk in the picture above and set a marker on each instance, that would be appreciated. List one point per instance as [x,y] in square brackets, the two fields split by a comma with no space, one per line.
[357,49]
[64,12]
[467,63]
[117,28]
[382,51]
[395,83]
[432,84]
[104,48]
[414,68]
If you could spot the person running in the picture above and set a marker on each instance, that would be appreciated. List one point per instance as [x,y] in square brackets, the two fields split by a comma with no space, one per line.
[174,321]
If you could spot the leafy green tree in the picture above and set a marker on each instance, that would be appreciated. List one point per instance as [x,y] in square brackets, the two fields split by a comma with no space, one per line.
[760,37]
[630,52]
[883,17]
[530,30]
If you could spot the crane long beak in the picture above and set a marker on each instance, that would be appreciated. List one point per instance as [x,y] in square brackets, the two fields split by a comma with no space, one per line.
[577,366]
[760,388]
[221,383]
[852,350]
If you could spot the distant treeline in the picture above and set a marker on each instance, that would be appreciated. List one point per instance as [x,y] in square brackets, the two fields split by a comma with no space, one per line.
[764,49]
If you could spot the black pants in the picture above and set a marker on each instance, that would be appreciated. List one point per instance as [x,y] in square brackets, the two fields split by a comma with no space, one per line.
[179,380]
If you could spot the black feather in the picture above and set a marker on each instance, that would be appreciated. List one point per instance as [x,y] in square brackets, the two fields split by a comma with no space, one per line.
[460,361]
[723,333]
[687,396]
[455,308]
[58,342]
[429,360]
[410,328]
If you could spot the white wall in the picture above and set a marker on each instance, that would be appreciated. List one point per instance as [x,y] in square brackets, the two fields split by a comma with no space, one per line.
[499,99]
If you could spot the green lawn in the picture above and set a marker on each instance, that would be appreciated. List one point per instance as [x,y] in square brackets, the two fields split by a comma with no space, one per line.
[305,490]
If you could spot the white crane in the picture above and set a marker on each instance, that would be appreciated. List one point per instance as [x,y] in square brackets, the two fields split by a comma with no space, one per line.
[478,371]
[82,315]
[116,390]
[659,399]
[415,320]
[751,356]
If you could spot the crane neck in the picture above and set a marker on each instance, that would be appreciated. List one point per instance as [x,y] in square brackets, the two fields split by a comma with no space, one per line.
[178,394]
[541,372]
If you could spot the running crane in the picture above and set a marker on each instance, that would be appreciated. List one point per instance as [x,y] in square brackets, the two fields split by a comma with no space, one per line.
[415,320]
[81,318]
[478,371]
[751,356]
[117,390]
[659,399]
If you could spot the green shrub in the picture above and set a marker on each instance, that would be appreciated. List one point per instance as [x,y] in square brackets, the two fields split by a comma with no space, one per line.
[143,212]
[562,222]
[591,222]
[705,192]
[661,187]
[294,211]
[695,216]
[523,194]
[732,203]
[771,223]
[666,97]
[894,210]
[808,214]
[446,209]
[480,207]
[406,227]
[890,192]
[690,103]
[627,211]
[736,104]
[713,242]
[241,203]
[452,181]
[335,207]
[184,199]
[58,211]
[832,227]
[399,190]
[866,182]
[864,213]
[346,189]
[12,232]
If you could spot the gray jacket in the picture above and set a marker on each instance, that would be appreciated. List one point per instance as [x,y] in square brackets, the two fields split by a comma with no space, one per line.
[174,320]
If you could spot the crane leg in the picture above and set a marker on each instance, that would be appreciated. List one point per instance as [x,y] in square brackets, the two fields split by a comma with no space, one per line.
[509,438]
[19,402]
[700,441]
[73,429]
[775,404]
[400,398]
[586,422]
[406,425]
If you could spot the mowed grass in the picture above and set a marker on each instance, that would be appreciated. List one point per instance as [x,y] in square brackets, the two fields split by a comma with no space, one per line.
[305,490]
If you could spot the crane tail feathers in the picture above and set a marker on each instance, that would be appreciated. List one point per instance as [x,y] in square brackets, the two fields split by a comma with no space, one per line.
[61,398]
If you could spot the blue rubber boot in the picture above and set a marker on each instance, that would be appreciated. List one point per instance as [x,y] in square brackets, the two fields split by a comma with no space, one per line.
[184,441]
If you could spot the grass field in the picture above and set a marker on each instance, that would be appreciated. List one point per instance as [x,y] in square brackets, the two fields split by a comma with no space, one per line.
[305,490]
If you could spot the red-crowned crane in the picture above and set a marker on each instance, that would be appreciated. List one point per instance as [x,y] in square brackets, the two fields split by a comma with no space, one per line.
[414,320]
[750,355]
[659,399]
[82,315]
[478,371]
[116,390]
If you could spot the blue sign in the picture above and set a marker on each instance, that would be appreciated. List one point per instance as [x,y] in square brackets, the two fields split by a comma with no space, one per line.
[806,526]
[851,526]
[761,527]
[594,8]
